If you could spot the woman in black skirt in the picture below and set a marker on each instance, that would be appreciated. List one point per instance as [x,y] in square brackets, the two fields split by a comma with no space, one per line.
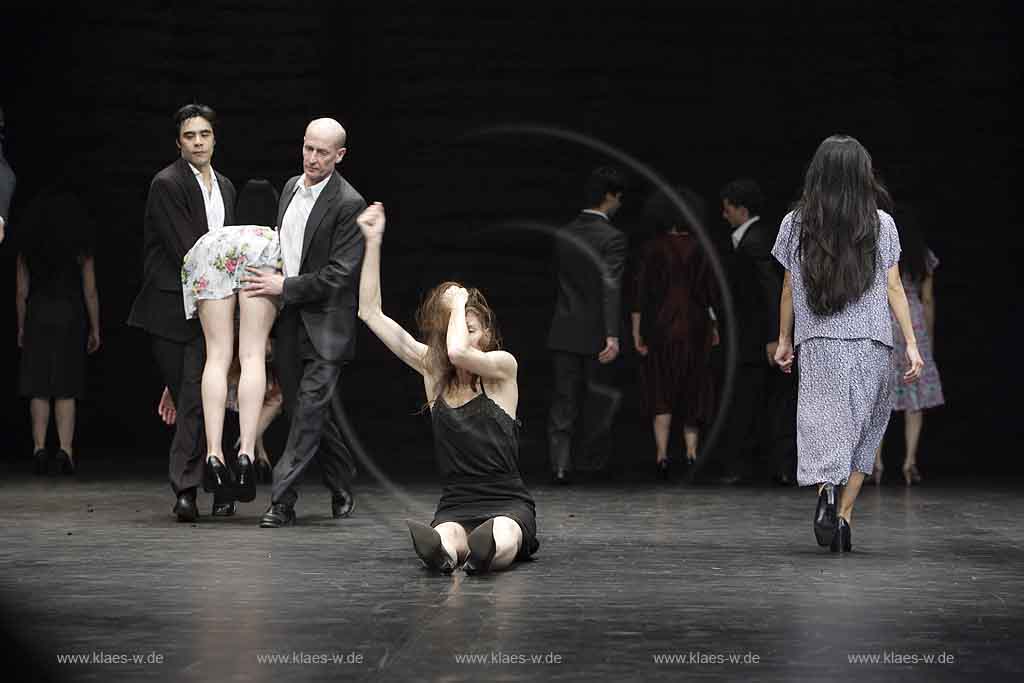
[58,319]
[485,519]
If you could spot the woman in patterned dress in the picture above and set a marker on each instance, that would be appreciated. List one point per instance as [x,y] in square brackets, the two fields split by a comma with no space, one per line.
[841,254]
[917,267]
[211,276]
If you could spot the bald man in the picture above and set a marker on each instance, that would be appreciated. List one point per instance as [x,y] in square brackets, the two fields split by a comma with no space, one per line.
[316,331]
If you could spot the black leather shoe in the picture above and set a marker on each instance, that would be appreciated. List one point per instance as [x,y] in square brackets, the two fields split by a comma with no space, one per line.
[185,508]
[222,507]
[842,540]
[783,479]
[427,544]
[278,515]
[216,475]
[245,486]
[65,465]
[481,549]
[40,462]
[825,515]
[560,477]
[342,503]
[264,472]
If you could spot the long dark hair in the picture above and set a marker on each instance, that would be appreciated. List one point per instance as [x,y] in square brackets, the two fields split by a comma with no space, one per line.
[838,218]
[913,259]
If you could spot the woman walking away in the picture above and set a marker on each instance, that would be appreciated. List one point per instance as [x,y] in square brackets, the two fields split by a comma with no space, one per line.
[841,255]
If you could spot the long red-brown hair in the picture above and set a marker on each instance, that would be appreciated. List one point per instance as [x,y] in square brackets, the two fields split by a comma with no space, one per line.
[432,319]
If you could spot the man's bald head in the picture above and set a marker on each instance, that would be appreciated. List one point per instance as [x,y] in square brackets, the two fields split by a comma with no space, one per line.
[322,147]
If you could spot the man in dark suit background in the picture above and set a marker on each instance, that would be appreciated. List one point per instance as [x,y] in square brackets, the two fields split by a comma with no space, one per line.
[186,199]
[7,182]
[316,331]
[759,420]
[590,254]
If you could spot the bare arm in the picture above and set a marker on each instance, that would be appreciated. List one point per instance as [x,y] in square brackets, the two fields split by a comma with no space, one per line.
[928,299]
[638,340]
[493,365]
[92,301]
[21,296]
[898,304]
[784,355]
[394,336]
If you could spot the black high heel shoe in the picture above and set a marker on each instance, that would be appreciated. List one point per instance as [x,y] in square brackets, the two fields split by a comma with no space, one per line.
[40,462]
[843,540]
[65,465]
[264,472]
[825,515]
[481,549]
[427,544]
[216,475]
[245,488]
[663,469]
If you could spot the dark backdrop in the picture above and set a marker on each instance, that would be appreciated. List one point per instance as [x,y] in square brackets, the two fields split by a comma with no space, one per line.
[702,92]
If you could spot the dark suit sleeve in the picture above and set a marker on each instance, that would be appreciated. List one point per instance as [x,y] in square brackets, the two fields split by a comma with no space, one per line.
[769,284]
[230,198]
[615,261]
[341,269]
[167,216]
[7,184]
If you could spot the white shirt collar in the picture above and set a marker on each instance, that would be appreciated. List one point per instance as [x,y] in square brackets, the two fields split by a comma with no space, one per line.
[595,212]
[314,190]
[196,173]
[738,233]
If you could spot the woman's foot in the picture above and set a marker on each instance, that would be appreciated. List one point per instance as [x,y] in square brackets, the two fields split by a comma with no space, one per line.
[245,490]
[216,474]
[264,471]
[691,458]
[662,469]
[40,462]
[825,515]
[911,475]
[427,544]
[876,474]
[482,549]
[65,464]
[842,540]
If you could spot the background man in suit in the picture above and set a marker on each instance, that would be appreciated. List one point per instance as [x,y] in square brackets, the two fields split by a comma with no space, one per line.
[186,199]
[316,331]
[590,254]
[759,418]
[7,183]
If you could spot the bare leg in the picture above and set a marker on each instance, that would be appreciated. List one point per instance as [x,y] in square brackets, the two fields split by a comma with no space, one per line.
[217,317]
[39,409]
[849,495]
[662,429]
[913,422]
[257,317]
[64,412]
[454,539]
[691,436]
[508,538]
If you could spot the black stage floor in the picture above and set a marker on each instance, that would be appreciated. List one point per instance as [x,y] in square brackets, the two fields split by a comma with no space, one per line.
[627,575]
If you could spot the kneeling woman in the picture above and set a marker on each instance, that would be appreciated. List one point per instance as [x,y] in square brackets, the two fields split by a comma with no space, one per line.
[212,274]
[486,519]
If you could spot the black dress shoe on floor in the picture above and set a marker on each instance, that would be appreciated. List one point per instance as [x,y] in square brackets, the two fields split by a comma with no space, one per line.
[342,504]
[277,515]
[427,544]
[65,465]
[825,515]
[40,462]
[185,507]
[216,475]
[223,508]
[842,541]
[481,549]
[560,477]
[245,486]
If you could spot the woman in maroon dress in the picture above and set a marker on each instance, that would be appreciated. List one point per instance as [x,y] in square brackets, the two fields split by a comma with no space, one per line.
[673,328]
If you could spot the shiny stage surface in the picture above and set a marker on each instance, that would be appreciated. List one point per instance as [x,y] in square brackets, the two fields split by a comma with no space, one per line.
[633,581]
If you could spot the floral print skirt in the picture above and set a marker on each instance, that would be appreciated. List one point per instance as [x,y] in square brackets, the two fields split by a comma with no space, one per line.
[215,265]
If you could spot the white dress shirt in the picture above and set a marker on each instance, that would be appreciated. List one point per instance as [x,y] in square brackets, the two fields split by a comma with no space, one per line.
[595,212]
[212,200]
[293,225]
[738,233]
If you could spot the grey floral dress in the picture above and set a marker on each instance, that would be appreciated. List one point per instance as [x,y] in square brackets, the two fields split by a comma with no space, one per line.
[215,265]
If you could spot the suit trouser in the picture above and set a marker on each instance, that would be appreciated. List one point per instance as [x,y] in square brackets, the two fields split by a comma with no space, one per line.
[309,385]
[742,422]
[581,377]
[181,366]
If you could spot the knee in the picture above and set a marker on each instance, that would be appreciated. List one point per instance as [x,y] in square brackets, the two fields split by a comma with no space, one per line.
[507,532]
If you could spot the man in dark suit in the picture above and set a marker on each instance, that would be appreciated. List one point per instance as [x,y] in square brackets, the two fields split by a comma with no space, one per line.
[759,419]
[316,332]
[7,183]
[186,199]
[590,254]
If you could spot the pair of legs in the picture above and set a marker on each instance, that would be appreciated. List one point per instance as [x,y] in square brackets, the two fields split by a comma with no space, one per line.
[508,539]
[662,430]
[64,414]
[913,422]
[217,316]
[582,382]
